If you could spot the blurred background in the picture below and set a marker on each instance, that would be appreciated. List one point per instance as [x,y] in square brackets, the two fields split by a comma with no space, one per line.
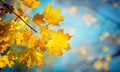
[95,45]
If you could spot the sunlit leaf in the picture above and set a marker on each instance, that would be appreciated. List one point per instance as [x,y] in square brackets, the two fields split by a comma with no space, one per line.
[52,16]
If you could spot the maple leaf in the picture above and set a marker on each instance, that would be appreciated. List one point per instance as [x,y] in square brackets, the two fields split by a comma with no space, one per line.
[52,16]
[31,56]
[31,3]
[38,19]
[58,42]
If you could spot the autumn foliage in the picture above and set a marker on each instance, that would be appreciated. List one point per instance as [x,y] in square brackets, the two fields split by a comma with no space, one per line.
[20,33]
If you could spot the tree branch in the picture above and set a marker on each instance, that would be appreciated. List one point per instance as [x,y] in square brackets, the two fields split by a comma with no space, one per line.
[19,17]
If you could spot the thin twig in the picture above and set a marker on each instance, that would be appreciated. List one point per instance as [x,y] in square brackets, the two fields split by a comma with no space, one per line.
[19,17]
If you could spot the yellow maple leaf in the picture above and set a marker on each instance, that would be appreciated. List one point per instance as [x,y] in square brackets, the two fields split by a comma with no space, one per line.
[52,16]
[31,3]
[38,19]
[31,56]
[58,42]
